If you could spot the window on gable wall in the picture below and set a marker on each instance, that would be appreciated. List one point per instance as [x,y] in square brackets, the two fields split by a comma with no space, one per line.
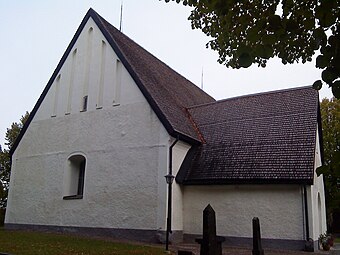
[84,104]
[75,177]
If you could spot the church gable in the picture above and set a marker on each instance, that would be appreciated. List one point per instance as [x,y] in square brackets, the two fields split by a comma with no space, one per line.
[114,57]
[89,79]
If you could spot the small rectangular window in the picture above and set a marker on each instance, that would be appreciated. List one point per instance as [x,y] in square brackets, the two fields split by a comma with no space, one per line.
[85,99]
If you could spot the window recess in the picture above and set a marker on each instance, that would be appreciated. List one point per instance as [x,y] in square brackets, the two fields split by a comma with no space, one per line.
[75,177]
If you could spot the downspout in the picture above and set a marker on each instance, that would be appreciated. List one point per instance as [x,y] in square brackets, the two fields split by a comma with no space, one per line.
[168,220]
[170,154]
[306,212]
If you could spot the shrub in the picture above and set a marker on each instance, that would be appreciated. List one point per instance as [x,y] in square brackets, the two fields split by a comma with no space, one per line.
[2,216]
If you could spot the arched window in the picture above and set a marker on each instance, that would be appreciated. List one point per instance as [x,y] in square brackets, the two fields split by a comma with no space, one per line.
[75,177]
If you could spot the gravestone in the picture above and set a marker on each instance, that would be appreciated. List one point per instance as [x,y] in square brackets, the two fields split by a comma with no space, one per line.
[210,243]
[257,245]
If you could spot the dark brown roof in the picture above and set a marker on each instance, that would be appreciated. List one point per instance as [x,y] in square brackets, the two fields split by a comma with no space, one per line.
[262,138]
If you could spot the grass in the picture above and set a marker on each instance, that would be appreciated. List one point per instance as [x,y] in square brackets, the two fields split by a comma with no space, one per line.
[337,240]
[29,243]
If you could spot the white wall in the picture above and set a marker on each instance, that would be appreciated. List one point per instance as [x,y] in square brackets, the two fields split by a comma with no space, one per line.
[179,152]
[279,208]
[125,145]
[316,200]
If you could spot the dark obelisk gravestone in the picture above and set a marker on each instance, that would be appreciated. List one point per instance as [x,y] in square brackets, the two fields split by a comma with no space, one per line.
[210,243]
[257,245]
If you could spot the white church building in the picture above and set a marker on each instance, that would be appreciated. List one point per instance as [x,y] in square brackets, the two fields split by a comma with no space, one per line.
[94,152]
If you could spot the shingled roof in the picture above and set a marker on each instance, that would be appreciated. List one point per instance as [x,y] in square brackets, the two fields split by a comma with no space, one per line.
[262,138]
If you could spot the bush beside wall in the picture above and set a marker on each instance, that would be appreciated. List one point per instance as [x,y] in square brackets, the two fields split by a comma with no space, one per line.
[2,216]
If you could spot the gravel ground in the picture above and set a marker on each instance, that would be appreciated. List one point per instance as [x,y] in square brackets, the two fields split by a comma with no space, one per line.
[240,251]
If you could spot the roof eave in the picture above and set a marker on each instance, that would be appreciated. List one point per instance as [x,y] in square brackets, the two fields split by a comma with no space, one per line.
[319,121]
[252,181]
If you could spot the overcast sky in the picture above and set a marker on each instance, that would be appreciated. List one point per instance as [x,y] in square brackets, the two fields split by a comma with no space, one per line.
[35,34]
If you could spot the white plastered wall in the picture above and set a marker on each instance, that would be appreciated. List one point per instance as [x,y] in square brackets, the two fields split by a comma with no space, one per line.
[125,145]
[316,199]
[92,68]
[179,152]
[279,208]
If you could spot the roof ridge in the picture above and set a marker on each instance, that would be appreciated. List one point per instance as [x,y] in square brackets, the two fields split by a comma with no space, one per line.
[255,118]
[252,95]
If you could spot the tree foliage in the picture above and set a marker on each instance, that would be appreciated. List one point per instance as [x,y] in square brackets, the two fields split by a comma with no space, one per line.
[253,31]
[330,113]
[4,166]
[5,158]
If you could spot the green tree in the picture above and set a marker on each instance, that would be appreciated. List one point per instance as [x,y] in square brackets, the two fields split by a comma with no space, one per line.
[5,158]
[330,113]
[252,31]
[4,172]
[3,187]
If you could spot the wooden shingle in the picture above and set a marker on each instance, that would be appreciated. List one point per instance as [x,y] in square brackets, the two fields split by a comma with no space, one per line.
[263,138]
